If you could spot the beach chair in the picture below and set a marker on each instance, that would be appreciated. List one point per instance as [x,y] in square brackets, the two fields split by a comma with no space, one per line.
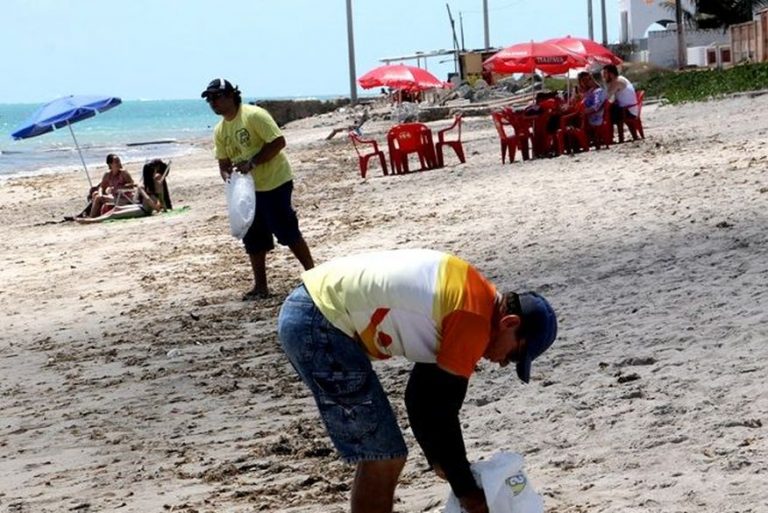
[455,144]
[137,195]
[507,142]
[363,158]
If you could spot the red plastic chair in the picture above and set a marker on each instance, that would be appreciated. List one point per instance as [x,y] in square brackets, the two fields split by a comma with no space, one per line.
[572,129]
[523,127]
[602,135]
[409,138]
[363,158]
[508,142]
[453,143]
[635,124]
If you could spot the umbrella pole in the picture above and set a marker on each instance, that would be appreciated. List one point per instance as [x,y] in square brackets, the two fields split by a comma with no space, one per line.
[90,184]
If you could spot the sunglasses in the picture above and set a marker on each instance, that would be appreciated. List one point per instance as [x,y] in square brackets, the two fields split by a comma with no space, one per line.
[213,97]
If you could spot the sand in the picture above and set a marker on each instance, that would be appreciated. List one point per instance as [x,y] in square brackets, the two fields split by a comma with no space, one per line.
[134,379]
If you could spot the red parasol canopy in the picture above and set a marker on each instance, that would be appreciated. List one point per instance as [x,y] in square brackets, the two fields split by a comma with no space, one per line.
[586,48]
[528,57]
[400,76]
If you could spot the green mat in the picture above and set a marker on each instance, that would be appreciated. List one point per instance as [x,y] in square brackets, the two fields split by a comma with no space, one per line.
[174,212]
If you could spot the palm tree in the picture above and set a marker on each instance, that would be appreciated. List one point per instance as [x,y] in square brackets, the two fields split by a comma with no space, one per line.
[724,13]
[714,14]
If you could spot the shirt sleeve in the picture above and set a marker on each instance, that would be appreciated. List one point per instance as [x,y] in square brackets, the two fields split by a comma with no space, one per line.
[219,150]
[263,125]
[433,398]
[465,336]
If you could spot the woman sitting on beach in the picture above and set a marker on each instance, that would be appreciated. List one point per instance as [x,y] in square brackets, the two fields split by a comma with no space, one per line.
[115,179]
[153,195]
[153,179]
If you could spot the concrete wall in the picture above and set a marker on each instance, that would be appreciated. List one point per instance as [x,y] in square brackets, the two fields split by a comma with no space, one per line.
[284,111]
[662,44]
[636,16]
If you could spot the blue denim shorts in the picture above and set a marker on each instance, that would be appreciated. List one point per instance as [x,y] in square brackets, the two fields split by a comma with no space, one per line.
[352,403]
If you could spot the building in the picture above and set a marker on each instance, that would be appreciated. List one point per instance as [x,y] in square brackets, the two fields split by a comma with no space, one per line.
[637,16]
[659,47]
[749,40]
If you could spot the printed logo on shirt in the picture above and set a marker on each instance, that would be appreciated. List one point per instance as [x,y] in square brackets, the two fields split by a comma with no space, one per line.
[373,338]
[243,136]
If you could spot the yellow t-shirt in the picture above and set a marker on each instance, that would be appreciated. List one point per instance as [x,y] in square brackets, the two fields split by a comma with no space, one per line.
[424,305]
[243,137]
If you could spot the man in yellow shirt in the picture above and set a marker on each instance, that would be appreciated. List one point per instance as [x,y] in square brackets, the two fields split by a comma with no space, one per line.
[248,140]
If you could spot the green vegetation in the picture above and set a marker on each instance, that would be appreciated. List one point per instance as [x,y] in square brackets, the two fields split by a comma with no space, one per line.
[698,85]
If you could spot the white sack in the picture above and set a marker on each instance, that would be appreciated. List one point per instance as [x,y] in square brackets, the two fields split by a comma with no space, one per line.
[241,202]
[506,487]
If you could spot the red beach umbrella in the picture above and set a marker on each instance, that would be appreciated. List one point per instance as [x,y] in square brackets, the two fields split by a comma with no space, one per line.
[400,76]
[587,48]
[528,57]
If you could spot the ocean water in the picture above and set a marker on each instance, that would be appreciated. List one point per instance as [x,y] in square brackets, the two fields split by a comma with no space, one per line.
[121,130]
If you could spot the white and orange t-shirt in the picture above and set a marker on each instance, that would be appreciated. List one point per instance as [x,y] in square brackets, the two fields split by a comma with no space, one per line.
[425,305]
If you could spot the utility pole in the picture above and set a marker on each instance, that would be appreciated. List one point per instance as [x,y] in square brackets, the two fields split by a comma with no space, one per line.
[351,48]
[681,57]
[589,20]
[455,41]
[605,23]
[485,25]
[461,30]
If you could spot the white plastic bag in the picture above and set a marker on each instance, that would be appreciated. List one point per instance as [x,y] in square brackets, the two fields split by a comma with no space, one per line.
[506,487]
[241,201]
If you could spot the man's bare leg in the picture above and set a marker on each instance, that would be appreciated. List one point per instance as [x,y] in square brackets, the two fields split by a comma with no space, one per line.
[259,268]
[302,253]
[374,488]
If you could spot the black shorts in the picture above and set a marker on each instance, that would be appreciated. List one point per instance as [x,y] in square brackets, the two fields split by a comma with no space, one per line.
[274,216]
[620,113]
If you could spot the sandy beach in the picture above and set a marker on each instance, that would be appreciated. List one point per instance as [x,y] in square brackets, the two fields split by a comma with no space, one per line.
[135,380]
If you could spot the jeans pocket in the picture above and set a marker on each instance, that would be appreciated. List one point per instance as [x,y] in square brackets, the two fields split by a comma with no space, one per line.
[346,402]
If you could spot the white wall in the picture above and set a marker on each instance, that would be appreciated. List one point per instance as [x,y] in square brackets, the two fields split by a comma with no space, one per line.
[662,44]
[635,16]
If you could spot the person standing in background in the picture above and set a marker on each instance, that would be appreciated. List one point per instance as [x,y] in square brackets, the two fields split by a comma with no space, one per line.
[247,140]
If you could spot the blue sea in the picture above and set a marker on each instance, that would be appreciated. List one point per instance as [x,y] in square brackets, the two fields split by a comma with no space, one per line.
[121,130]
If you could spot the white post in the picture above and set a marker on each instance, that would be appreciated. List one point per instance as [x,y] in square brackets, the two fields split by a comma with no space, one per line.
[351,52]
[486,32]
[90,184]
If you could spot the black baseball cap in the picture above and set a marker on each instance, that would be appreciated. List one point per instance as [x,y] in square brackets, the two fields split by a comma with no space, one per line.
[218,86]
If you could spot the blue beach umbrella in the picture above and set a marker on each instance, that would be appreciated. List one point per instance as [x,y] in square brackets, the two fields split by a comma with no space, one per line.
[63,112]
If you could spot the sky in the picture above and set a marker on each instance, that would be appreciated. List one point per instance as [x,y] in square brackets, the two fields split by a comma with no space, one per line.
[170,49]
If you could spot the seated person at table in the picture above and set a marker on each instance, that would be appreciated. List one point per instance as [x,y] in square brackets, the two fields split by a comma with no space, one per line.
[114,179]
[593,100]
